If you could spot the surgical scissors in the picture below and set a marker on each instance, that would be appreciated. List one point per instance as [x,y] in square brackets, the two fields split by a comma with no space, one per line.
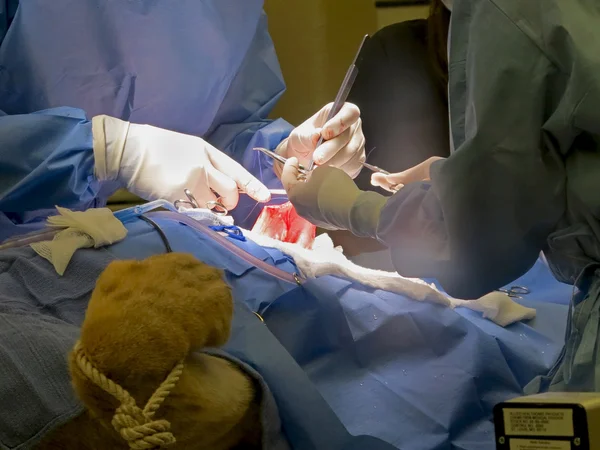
[281,159]
[515,291]
[216,206]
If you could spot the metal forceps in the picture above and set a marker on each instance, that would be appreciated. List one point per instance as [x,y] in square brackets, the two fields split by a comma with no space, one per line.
[373,168]
[215,206]
[282,160]
[515,291]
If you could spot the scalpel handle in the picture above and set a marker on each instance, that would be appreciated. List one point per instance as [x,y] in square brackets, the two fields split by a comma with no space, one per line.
[344,91]
[340,99]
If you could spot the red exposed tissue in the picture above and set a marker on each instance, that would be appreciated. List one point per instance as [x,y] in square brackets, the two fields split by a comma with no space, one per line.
[281,222]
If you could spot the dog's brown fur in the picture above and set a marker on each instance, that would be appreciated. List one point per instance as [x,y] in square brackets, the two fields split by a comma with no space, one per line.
[143,318]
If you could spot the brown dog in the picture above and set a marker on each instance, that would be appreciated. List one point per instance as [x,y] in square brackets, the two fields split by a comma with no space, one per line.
[143,323]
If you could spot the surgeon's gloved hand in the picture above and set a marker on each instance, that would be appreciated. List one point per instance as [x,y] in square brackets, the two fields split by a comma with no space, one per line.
[155,163]
[343,145]
[330,199]
[395,181]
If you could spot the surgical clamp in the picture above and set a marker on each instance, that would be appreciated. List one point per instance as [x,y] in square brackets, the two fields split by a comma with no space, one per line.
[515,291]
[214,205]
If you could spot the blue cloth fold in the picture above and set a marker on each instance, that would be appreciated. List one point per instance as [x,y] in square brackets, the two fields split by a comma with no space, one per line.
[348,366]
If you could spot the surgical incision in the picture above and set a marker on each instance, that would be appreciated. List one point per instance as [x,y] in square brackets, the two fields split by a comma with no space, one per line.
[281,222]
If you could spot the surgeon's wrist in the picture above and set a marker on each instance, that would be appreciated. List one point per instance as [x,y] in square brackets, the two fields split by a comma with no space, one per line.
[109,136]
[365,212]
[435,167]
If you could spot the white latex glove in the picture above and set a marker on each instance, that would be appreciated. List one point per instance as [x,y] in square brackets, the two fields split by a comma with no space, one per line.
[395,181]
[154,163]
[343,146]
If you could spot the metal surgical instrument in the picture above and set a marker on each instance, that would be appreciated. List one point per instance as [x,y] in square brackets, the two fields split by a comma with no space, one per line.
[515,291]
[343,93]
[214,205]
[280,159]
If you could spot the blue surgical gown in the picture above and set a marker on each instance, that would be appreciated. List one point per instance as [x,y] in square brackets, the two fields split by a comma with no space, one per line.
[524,93]
[523,177]
[203,67]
